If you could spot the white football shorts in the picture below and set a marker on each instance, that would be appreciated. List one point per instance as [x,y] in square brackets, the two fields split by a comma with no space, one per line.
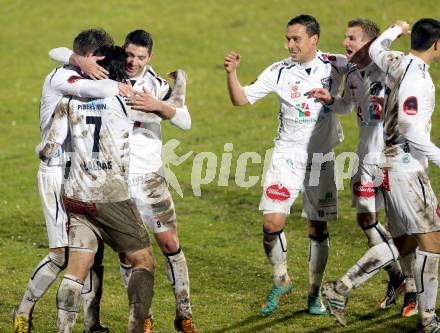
[50,180]
[410,203]
[291,173]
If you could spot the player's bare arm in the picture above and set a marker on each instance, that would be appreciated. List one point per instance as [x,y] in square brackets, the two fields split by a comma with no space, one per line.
[236,94]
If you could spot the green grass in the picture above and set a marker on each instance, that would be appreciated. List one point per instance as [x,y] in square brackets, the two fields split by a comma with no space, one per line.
[221,230]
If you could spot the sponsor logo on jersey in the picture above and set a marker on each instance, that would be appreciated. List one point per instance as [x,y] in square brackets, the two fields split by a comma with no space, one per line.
[410,106]
[92,106]
[277,193]
[303,109]
[294,93]
[326,82]
[375,88]
[364,190]
[74,78]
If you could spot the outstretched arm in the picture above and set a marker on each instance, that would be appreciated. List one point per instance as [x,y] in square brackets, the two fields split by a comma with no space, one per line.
[236,93]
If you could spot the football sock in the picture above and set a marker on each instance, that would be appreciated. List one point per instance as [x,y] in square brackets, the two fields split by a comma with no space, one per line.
[318,255]
[408,266]
[68,303]
[275,246]
[377,234]
[426,276]
[41,279]
[91,297]
[125,271]
[177,272]
[140,296]
[374,259]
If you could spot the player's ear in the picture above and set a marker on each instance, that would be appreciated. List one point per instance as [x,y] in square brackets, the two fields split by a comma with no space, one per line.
[315,39]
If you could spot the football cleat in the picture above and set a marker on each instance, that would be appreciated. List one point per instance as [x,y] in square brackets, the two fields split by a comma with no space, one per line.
[392,293]
[22,324]
[409,307]
[336,302]
[315,306]
[274,297]
[432,327]
[185,325]
[148,325]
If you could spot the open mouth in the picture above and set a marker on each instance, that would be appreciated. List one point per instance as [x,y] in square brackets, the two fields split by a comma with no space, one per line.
[349,52]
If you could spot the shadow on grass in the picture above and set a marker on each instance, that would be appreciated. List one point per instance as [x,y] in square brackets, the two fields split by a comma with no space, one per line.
[372,321]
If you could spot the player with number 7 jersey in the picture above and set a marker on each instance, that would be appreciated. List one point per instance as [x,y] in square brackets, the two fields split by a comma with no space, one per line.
[99,131]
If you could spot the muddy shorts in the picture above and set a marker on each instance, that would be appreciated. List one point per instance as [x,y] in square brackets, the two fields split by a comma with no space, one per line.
[410,203]
[117,223]
[153,200]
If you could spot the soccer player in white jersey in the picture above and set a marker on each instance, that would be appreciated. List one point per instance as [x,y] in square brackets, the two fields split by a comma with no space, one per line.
[96,196]
[410,201]
[68,81]
[365,80]
[146,174]
[307,132]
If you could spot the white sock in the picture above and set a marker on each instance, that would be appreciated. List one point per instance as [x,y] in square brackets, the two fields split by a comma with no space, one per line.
[426,276]
[125,270]
[275,246]
[408,266]
[41,279]
[68,303]
[371,262]
[177,272]
[91,297]
[318,255]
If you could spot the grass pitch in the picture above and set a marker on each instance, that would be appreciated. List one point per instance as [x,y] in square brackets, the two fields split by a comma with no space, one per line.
[220,231]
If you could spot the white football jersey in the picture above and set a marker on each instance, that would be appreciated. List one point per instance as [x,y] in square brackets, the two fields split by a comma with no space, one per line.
[99,133]
[146,138]
[360,85]
[305,124]
[409,104]
[68,81]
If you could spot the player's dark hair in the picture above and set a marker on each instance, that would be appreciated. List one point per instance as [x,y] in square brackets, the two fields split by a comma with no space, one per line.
[139,38]
[114,62]
[424,33]
[311,24]
[88,41]
[370,29]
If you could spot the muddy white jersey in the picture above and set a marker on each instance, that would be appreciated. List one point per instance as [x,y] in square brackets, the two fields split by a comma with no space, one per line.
[146,139]
[409,104]
[99,133]
[360,85]
[68,81]
[305,124]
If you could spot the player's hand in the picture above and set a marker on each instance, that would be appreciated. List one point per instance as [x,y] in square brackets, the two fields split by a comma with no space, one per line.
[377,100]
[90,67]
[232,60]
[320,94]
[126,89]
[404,26]
[144,101]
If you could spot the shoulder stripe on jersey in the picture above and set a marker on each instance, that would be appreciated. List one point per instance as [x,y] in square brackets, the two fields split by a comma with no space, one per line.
[155,76]
[50,81]
[406,71]
[281,69]
[68,105]
[168,94]
[122,104]
[328,62]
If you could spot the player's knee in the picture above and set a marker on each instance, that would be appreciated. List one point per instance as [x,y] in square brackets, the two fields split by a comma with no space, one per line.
[58,257]
[366,220]
[168,241]
[142,259]
[318,229]
[273,223]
